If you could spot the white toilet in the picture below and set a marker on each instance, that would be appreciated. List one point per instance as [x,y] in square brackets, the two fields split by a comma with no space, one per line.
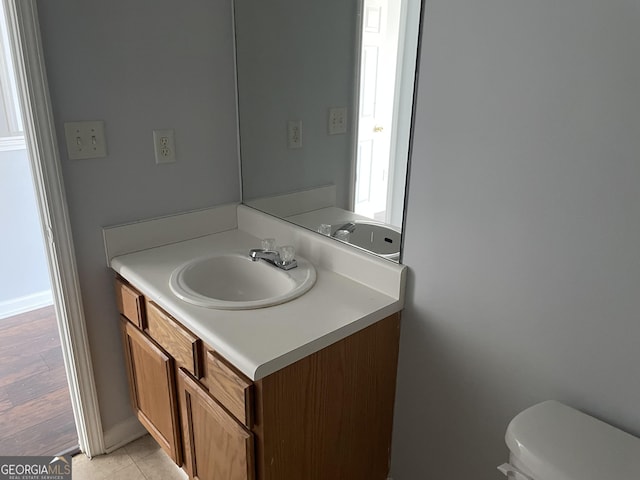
[551,441]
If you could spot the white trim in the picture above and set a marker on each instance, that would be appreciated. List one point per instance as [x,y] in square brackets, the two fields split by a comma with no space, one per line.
[26,303]
[123,433]
[355,108]
[8,144]
[394,145]
[40,134]
[8,89]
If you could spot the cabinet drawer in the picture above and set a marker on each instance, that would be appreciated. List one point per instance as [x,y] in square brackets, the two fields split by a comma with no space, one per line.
[130,302]
[179,342]
[231,388]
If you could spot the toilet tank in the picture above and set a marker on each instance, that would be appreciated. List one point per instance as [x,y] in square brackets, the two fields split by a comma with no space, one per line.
[551,441]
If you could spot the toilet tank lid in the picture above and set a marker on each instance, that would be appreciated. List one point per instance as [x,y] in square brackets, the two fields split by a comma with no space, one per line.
[556,442]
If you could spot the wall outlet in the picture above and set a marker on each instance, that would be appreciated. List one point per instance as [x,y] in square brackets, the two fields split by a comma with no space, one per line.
[337,120]
[85,140]
[164,146]
[294,134]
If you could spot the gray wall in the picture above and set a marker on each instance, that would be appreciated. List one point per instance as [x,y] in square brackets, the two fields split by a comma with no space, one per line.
[23,265]
[138,66]
[311,74]
[523,227]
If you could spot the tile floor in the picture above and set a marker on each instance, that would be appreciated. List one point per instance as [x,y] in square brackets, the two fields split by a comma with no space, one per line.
[142,459]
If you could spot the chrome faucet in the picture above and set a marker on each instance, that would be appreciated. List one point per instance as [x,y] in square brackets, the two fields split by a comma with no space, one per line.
[347,227]
[273,257]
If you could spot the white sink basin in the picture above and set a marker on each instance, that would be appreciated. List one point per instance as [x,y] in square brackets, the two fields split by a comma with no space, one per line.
[376,237]
[232,281]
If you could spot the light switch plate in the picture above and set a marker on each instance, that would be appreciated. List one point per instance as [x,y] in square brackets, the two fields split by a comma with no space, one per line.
[85,140]
[337,120]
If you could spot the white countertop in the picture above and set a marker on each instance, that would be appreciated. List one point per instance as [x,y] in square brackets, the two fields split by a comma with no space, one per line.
[262,341]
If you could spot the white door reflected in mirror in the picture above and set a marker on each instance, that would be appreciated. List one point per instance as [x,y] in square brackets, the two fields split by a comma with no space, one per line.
[379,54]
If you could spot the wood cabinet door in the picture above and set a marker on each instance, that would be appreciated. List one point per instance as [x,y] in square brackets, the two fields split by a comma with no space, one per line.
[153,391]
[216,446]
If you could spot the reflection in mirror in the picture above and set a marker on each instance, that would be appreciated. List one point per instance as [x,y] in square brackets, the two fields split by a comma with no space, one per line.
[325,92]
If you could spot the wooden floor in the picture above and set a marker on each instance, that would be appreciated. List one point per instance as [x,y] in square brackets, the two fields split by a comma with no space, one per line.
[35,408]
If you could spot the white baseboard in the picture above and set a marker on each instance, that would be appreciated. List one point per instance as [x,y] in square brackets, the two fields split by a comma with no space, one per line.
[123,433]
[19,305]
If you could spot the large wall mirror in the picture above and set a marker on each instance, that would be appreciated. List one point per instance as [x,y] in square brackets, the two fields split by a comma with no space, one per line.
[325,92]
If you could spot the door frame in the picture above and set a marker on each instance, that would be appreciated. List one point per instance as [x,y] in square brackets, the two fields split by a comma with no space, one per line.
[355,107]
[41,140]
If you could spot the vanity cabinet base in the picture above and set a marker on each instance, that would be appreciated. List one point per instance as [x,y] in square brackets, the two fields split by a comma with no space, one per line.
[330,415]
[327,416]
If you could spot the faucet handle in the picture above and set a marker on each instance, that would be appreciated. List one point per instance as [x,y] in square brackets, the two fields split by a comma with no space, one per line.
[325,229]
[269,244]
[287,253]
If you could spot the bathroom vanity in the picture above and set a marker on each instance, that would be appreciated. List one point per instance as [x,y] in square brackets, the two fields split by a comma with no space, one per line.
[301,390]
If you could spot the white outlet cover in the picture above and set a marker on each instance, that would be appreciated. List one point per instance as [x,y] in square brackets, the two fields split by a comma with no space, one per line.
[85,140]
[164,146]
[294,134]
